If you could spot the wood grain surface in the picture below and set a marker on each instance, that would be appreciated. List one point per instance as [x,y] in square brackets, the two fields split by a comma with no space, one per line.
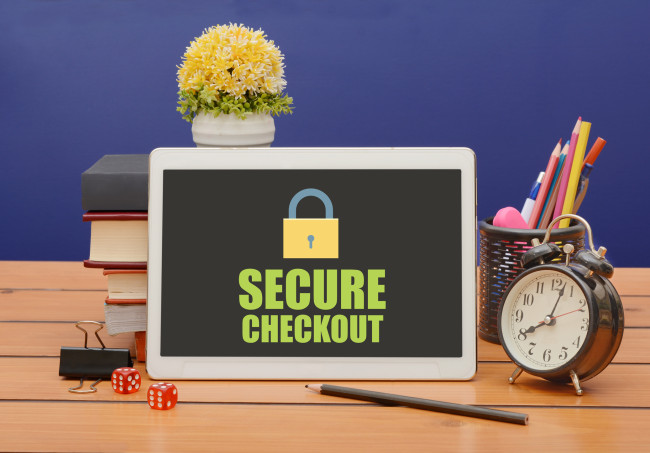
[489,387]
[75,427]
[33,338]
[40,301]
[50,275]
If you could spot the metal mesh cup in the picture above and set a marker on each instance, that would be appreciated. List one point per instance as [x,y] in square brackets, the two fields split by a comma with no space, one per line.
[500,252]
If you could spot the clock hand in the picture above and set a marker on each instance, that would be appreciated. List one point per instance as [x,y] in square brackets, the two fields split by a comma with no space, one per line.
[548,319]
[531,329]
[568,313]
[557,301]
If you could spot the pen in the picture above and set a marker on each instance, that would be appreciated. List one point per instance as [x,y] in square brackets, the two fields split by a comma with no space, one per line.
[527,210]
[587,166]
[390,399]
[582,187]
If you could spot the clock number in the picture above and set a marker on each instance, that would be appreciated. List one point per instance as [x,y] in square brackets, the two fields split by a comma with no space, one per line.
[540,288]
[528,299]
[547,355]
[556,284]
[577,342]
[532,346]
[522,334]
[585,324]
[571,291]
[563,355]
[582,303]
[519,315]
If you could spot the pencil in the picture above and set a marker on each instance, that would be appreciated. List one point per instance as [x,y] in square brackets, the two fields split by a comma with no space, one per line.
[552,201]
[566,173]
[548,206]
[546,184]
[390,399]
[595,150]
[572,187]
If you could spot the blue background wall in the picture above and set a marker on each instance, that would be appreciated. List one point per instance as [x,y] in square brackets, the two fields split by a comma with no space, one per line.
[84,78]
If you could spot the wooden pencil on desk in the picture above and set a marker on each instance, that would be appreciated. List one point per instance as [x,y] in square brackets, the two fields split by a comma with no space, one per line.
[420,403]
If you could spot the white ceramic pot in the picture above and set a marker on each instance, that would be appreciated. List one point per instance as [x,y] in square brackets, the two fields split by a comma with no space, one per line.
[229,131]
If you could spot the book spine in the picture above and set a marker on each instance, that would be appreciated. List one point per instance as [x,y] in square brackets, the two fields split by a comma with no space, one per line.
[115,191]
[114,265]
[141,346]
[126,301]
[124,271]
[95,216]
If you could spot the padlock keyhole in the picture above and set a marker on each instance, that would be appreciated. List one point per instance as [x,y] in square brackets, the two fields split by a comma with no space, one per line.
[310,238]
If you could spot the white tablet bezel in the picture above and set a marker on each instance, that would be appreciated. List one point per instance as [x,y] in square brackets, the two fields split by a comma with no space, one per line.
[362,368]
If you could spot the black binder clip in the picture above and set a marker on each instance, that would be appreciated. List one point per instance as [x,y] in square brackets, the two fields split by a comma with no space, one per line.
[91,362]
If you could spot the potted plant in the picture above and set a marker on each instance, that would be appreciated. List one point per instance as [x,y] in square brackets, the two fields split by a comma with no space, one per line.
[231,82]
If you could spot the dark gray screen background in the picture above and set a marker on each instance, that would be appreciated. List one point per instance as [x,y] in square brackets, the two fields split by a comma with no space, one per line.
[218,222]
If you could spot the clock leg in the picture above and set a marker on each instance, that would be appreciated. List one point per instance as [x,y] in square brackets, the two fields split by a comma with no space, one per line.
[576,382]
[515,375]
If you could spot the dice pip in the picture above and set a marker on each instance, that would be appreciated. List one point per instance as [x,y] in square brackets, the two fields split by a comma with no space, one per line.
[162,396]
[126,380]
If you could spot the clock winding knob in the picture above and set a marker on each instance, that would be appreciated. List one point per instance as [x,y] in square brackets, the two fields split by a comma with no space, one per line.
[595,263]
[545,252]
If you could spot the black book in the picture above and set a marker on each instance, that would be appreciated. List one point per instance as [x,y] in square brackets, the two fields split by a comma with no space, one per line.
[116,182]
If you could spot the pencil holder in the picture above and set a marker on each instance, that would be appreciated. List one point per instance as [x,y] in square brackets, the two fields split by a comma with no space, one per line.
[500,252]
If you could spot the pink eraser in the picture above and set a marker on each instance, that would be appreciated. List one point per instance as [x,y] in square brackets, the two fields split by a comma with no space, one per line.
[509,218]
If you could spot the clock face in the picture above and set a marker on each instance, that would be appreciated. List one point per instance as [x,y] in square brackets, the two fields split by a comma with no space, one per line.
[545,320]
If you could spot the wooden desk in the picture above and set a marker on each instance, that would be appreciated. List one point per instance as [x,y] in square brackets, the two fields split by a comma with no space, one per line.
[40,301]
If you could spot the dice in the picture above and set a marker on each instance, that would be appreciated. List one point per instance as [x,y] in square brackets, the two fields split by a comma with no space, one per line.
[126,380]
[162,396]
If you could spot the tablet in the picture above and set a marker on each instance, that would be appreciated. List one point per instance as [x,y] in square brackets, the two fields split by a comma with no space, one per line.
[312,263]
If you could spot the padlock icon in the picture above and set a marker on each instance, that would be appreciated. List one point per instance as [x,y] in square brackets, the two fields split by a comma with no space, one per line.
[311,238]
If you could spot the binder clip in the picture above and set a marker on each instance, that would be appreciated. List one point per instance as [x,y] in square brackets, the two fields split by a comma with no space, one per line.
[91,362]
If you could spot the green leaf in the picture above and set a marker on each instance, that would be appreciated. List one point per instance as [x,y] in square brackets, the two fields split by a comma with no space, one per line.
[218,102]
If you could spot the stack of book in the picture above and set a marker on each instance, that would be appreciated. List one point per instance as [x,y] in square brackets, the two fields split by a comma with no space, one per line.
[114,196]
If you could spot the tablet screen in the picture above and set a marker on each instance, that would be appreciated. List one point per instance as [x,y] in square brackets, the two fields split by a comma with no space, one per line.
[378,274]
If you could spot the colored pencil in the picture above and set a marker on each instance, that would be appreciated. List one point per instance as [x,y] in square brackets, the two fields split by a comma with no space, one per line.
[555,184]
[546,184]
[566,172]
[549,205]
[390,399]
[548,215]
[576,166]
[595,150]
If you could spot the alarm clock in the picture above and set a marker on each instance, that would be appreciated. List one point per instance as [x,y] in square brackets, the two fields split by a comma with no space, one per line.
[561,321]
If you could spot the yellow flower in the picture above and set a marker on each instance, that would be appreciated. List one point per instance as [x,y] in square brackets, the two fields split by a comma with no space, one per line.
[233,59]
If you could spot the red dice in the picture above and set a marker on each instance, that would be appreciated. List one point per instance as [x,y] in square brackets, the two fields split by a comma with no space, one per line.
[162,396]
[126,380]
